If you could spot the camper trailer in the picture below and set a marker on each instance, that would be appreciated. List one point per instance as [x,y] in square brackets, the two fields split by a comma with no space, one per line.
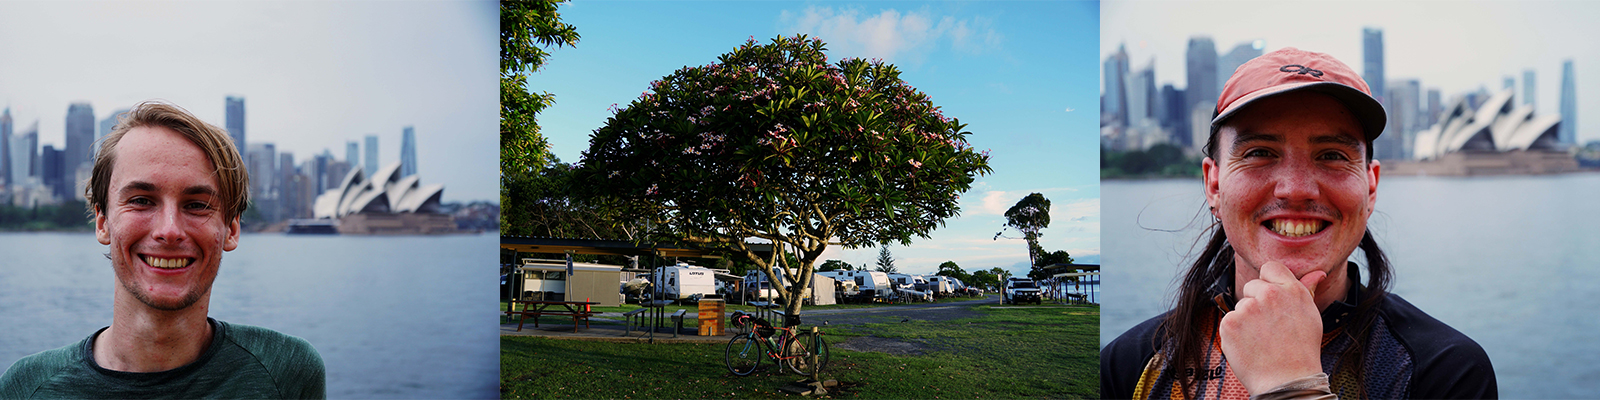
[910,287]
[869,285]
[553,280]
[759,289]
[684,282]
[941,286]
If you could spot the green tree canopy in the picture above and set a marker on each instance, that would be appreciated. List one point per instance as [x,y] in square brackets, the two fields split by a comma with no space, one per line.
[772,142]
[526,28]
[1029,216]
[950,269]
[834,265]
[1048,259]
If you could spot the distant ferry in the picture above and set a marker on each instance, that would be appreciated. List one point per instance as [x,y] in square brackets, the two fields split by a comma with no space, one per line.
[321,226]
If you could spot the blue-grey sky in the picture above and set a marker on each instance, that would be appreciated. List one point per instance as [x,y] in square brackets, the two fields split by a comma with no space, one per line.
[1454,46]
[1022,75]
[313,74]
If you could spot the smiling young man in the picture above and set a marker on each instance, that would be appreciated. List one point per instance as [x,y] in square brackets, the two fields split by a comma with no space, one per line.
[167,192]
[1272,308]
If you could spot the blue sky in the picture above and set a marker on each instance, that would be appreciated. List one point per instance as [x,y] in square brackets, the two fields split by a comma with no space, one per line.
[1022,75]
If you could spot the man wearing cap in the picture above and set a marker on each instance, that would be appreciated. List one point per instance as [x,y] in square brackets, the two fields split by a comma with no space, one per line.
[1272,309]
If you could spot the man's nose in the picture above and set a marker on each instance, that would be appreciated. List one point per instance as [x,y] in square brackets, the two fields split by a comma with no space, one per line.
[168,228]
[1295,179]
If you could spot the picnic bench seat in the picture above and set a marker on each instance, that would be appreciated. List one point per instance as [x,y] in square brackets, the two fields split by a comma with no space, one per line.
[678,318]
[631,316]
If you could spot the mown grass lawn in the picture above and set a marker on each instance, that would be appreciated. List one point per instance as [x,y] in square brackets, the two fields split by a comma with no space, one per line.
[1035,352]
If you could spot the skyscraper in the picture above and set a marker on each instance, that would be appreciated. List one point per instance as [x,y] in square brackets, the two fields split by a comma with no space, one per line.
[1201,70]
[372,156]
[5,150]
[1569,105]
[80,135]
[1114,107]
[1372,60]
[24,158]
[104,128]
[1528,87]
[352,153]
[259,161]
[408,152]
[50,172]
[235,121]
[1509,82]
[1435,106]
[1241,53]
[1405,99]
[1174,117]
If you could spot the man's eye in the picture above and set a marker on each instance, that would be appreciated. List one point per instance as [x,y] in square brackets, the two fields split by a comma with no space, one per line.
[1257,153]
[140,201]
[1334,156]
[199,206]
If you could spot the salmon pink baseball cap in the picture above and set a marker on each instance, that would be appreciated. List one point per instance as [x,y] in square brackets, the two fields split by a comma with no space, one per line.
[1290,69]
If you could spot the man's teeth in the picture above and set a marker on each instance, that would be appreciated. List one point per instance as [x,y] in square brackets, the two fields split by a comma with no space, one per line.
[166,263]
[1293,228]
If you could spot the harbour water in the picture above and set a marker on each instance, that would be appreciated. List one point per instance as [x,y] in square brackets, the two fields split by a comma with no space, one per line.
[1509,261]
[392,316]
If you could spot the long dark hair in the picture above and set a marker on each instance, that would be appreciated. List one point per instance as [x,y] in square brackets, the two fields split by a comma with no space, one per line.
[1184,328]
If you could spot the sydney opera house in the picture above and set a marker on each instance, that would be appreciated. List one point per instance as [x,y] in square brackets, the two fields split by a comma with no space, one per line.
[383,203]
[1496,138]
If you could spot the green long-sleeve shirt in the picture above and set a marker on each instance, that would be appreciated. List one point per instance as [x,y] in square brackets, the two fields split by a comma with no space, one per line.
[242,362]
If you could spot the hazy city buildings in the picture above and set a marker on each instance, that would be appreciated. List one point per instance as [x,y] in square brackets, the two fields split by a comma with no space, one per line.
[1569,105]
[1372,60]
[5,153]
[1114,103]
[80,135]
[1201,72]
[1230,62]
[1528,87]
[408,152]
[235,121]
[352,153]
[372,153]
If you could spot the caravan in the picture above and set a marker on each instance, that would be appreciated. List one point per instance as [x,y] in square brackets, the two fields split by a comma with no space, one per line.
[942,286]
[868,285]
[684,282]
[911,287]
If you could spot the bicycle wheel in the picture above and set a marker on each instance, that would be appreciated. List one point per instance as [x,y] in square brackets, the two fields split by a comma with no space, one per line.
[809,353]
[744,354]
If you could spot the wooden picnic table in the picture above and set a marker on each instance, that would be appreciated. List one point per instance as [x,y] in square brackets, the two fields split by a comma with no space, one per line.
[575,309]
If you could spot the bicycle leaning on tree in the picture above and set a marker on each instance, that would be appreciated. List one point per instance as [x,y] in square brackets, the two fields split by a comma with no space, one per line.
[804,353]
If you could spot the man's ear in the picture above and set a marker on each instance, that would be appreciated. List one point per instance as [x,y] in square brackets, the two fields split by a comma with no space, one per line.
[1208,168]
[232,241]
[100,231]
[1373,172]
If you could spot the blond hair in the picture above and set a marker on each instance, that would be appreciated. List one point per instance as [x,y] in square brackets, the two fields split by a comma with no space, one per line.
[233,182]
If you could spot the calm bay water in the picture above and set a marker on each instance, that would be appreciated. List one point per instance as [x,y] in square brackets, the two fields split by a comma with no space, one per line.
[393,316]
[1509,261]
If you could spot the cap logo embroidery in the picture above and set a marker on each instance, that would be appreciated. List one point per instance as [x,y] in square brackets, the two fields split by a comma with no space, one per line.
[1302,70]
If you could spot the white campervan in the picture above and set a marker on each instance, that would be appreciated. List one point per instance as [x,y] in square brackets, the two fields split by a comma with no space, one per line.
[941,286]
[684,282]
[871,284]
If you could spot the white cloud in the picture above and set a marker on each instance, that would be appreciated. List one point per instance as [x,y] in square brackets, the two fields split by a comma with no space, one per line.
[890,35]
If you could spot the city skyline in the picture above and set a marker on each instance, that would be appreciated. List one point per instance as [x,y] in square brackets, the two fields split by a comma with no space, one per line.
[1455,50]
[423,64]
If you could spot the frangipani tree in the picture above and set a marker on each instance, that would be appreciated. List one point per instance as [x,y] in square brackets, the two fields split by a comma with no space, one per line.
[773,143]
